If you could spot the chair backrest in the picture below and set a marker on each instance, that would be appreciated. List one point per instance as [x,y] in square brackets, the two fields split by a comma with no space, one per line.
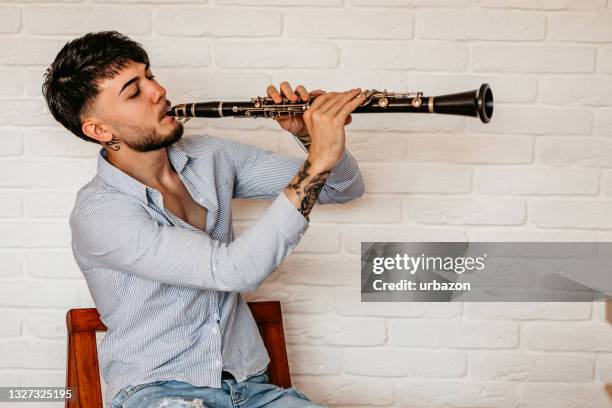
[83,372]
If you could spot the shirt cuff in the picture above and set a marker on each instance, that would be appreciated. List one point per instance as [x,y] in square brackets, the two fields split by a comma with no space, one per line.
[342,169]
[286,218]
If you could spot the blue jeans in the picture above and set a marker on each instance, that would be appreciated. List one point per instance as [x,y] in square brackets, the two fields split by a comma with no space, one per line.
[254,392]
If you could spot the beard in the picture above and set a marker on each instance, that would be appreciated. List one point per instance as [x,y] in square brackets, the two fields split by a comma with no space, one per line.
[145,140]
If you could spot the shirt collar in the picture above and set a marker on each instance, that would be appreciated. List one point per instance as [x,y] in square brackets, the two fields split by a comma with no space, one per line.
[128,184]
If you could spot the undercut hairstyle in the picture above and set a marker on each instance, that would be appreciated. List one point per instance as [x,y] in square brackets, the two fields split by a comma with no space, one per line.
[71,82]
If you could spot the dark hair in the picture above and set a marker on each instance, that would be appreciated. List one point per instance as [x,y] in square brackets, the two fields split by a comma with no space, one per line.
[70,82]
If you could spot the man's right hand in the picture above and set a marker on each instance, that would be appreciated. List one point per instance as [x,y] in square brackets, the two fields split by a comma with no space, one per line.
[325,120]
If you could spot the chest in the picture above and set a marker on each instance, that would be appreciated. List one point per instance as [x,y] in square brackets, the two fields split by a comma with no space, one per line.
[180,203]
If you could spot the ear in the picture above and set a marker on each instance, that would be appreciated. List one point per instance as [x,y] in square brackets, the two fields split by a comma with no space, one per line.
[96,131]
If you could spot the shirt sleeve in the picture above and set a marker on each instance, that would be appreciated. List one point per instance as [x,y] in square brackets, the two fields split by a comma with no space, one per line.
[116,232]
[264,174]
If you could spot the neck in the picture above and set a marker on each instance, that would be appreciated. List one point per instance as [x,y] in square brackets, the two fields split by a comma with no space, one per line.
[152,168]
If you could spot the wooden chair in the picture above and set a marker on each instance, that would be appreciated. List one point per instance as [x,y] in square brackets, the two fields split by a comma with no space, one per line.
[83,373]
[609,317]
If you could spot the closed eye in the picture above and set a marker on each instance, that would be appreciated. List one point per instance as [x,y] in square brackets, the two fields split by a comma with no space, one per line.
[138,90]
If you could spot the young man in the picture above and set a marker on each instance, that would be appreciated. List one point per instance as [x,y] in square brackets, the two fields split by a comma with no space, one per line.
[152,231]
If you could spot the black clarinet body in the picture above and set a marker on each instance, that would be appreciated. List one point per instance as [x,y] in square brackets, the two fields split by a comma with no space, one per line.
[476,103]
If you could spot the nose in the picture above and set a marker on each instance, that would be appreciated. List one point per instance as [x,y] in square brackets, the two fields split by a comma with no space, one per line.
[158,92]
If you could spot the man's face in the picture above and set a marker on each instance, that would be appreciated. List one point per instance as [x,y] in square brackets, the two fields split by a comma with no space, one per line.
[133,105]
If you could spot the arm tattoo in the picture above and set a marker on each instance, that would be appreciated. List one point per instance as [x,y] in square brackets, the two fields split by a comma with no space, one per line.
[308,186]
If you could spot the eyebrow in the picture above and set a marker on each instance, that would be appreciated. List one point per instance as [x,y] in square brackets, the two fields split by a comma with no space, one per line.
[128,83]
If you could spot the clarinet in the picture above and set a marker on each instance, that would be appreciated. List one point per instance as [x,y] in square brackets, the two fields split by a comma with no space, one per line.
[476,103]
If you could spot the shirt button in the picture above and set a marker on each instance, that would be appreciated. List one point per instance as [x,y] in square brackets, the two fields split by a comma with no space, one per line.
[200,200]
[217,364]
[214,330]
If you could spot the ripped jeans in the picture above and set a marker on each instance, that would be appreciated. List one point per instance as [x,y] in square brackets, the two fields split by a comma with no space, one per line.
[254,392]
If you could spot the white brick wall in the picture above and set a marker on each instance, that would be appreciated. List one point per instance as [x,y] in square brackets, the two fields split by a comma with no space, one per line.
[539,171]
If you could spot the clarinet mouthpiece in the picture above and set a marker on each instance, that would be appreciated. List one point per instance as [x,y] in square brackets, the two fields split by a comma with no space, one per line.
[171,111]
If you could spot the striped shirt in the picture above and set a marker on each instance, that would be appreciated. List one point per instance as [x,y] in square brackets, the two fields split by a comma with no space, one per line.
[168,292]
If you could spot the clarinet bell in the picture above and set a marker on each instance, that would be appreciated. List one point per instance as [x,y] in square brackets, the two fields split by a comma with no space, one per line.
[478,102]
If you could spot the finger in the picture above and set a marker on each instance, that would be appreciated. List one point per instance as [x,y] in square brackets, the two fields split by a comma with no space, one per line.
[312,95]
[315,93]
[273,93]
[348,120]
[331,101]
[320,100]
[283,121]
[351,105]
[289,123]
[287,91]
[302,92]
[344,97]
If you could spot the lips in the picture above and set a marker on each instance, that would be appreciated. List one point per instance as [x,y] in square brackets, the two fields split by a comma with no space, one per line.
[165,110]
